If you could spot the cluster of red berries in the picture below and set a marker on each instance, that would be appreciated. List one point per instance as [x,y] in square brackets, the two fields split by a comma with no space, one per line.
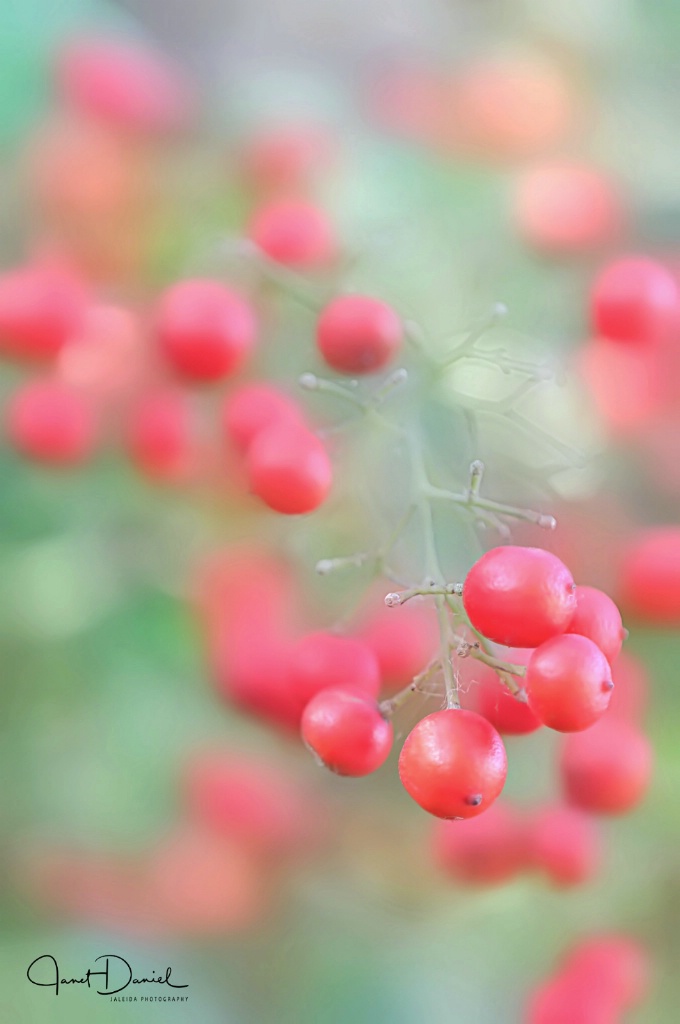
[557,841]
[203,332]
[453,763]
[536,650]
[241,822]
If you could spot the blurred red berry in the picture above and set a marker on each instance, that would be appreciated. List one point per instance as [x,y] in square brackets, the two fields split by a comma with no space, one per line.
[486,850]
[635,299]
[41,309]
[286,158]
[124,85]
[347,732]
[613,963]
[403,640]
[161,436]
[565,844]
[51,423]
[563,208]
[357,334]
[566,1000]
[606,769]
[649,578]
[289,469]
[251,800]
[631,686]
[251,408]
[625,383]
[507,107]
[198,884]
[453,764]
[294,233]
[519,596]
[205,330]
[568,683]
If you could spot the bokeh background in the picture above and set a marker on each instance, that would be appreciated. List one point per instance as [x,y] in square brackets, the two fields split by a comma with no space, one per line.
[106,695]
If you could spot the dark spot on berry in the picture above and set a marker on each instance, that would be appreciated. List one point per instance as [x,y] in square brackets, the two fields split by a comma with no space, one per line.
[474,800]
[608,684]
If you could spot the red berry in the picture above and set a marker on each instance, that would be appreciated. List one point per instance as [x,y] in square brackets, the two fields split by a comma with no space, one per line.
[649,582]
[251,800]
[566,1000]
[295,233]
[564,208]
[347,732]
[606,769]
[124,85]
[598,618]
[635,299]
[518,596]
[625,383]
[161,436]
[453,764]
[204,329]
[613,963]
[244,599]
[357,334]
[251,408]
[629,697]
[287,158]
[486,850]
[321,661]
[487,695]
[289,469]
[41,309]
[49,422]
[564,843]
[248,661]
[403,640]
[568,683]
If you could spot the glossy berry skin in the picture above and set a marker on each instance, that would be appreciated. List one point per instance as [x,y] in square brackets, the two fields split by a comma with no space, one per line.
[294,233]
[635,299]
[356,334]
[289,469]
[519,597]
[598,618]
[41,309]
[346,732]
[649,582]
[453,764]
[123,86]
[487,850]
[51,423]
[321,661]
[606,769]
[205,331]
[160,436]
[564,843]
[252,408]
[568,683]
